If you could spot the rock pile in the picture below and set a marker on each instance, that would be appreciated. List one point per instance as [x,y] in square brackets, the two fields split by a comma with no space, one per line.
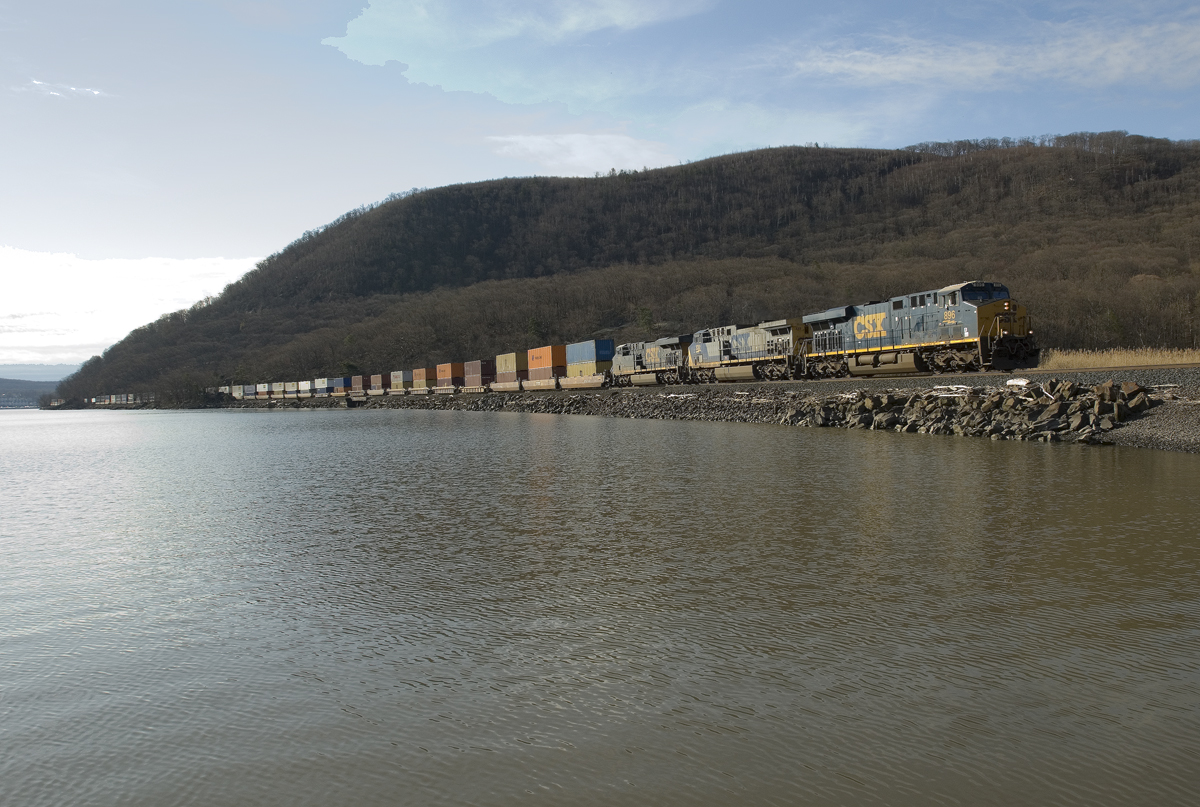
[1049,412]
[1052,411]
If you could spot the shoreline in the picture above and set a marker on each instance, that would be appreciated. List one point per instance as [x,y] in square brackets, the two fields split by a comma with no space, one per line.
[1158,408]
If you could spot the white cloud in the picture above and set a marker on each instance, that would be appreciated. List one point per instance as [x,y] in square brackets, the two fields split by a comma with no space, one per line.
[60,90]
[57,307]
[583,154]
[462,24]
[1093,56]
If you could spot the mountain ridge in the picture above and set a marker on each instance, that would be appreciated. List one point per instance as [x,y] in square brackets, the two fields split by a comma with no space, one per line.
[793,226]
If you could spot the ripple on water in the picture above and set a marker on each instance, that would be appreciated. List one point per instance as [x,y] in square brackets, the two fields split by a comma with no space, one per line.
[457,608]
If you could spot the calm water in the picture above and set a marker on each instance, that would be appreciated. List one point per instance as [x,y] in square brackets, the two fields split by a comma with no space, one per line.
[442,608]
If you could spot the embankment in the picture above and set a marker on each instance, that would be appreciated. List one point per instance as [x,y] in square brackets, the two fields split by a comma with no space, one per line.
[1154,409]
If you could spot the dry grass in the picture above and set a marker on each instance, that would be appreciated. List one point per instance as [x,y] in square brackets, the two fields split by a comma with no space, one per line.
[1117,357]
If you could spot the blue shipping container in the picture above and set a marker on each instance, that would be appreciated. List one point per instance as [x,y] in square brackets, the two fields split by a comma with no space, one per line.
[594,350]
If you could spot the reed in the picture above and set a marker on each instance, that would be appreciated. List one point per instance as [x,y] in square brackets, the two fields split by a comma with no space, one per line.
[1117,357]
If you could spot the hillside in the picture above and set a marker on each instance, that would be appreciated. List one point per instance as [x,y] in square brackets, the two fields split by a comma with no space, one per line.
[17,393]
[1095,232]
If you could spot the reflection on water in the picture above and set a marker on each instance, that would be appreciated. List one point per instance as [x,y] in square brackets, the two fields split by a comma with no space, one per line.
[461,608]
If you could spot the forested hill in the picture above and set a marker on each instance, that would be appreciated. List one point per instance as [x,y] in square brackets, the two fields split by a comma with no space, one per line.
[1095,231]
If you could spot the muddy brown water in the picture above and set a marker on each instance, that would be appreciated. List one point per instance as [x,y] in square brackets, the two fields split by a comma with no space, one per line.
[448,608]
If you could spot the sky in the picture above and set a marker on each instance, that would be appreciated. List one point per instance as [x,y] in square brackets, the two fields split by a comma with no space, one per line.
[151,152]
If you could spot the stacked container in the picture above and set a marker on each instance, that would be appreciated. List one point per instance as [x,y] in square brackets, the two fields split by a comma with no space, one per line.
[376,385]
[321,387]
[356,386]
[338,387]
[277,389]
[262,391]
[401,380]
[236,392]
[512,367]
[478,374]
[424,378]
[304,389]
[291,389]
[590,358]
[547,362]
[546,365]
[450,375]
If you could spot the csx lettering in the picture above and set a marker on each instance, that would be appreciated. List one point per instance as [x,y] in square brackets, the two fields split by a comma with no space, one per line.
[869,326]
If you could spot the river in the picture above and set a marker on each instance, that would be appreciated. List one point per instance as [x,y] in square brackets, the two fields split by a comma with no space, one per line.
[455,608]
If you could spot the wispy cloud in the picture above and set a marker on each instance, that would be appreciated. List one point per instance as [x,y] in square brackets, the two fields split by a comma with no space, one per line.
[1088,56]
[462,25]
[583,154]
[60,90]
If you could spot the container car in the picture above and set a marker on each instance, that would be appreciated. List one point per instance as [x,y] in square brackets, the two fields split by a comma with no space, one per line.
[401,381]
[451,374]
[424,378]
[512,367]
[547,362]
[479,375]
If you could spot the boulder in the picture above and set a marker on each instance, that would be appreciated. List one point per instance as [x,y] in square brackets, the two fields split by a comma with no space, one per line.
[885,420]
[1054,410]
[1131,389]
[1139,403]
[1108,391]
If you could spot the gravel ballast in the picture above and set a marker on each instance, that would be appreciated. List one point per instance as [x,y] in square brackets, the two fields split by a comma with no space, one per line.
[1155,408]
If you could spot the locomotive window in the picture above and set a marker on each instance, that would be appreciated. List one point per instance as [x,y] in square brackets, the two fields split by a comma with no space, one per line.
[897,305]
[952,298]
[913,302]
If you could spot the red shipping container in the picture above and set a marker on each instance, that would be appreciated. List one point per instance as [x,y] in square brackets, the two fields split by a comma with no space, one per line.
[544,373]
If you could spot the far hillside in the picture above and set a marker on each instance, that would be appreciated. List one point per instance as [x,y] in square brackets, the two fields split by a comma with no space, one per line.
[1096,233]
[17,393]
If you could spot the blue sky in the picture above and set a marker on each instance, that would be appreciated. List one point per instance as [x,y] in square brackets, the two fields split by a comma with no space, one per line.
[202,129]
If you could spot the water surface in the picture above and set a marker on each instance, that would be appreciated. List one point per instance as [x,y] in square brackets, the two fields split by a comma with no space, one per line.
[445,608]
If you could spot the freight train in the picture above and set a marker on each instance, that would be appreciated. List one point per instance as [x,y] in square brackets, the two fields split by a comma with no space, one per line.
[972,326]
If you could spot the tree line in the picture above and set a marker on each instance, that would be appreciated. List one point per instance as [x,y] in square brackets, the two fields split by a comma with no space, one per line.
[1095,232]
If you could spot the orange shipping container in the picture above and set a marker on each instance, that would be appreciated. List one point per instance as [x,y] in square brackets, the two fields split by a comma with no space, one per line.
[451,370]
[549,356]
